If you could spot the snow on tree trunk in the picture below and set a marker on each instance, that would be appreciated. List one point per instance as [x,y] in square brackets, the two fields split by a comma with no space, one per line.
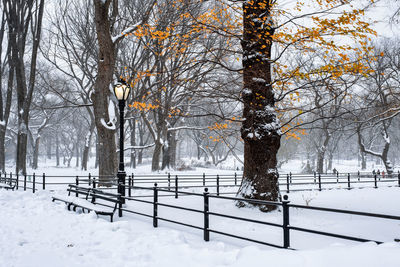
[260,128]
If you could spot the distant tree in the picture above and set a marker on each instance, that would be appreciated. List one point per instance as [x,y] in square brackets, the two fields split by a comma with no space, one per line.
[24,19]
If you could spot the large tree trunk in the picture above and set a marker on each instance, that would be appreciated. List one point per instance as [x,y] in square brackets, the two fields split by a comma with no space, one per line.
[21,17]
[141,143]
[320,160]
[2,149]
[48,147]
[172,149]
[363,161]
[330,160]
[86,148]
[132,124]
[5,114]
[57,150]
[260,129]
[77,154]
[36,153]
[22,143]
[106,62]
[155,161]
[169,151]
[380,156]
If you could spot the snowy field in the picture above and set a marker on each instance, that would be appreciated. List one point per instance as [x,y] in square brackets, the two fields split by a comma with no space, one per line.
[37,232]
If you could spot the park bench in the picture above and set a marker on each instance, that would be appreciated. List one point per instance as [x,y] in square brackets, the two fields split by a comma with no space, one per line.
[89,200]
[7,186]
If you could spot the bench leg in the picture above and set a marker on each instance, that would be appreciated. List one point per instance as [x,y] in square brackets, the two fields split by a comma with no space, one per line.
[111,217]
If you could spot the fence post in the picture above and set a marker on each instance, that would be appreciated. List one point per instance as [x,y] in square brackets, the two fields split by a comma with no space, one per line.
[286,230]
[155,202]
[348,181]
[206,231]
[337,177]
[290,177]
[34,183]
[217,185]
[287,183]
[133,179]
[398,178]
[17,181]
[119,205]
[376,182]
[25,182]
[129,187]
[315,177]
[358,175]
[1,177]
[204,179]
[10,180]
[235,178]
[176,186]
[77,184]
[319,181]
[169,181]
[89,179]
[94,187]
[44,181]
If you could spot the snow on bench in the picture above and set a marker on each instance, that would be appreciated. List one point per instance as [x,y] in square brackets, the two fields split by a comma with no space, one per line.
[7,186]
[90,204]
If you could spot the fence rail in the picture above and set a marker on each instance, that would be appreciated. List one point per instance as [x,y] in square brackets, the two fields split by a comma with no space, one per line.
[287,182]
[173,185]
[206,227]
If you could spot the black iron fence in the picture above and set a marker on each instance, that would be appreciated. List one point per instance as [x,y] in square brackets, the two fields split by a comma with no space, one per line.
[288,182]
[172,185]
[206,209]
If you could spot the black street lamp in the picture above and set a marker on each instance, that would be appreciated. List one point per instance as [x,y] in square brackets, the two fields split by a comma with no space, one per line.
[121,91]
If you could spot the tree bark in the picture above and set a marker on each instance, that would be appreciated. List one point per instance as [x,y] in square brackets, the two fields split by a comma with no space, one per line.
[57,150]
[155,161]
[86,148]
[36,153]
[132,124]
[260,129]
[363,161]
[22,17]
[106,63]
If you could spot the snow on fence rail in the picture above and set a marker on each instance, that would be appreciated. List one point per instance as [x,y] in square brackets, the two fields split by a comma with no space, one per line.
[287,182]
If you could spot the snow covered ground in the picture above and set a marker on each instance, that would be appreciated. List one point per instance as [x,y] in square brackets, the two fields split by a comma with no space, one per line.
[37,232]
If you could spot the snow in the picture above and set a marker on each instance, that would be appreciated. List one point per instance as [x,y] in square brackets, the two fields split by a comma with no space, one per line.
[109,126]
[124,32]
[37,232]
[2,123]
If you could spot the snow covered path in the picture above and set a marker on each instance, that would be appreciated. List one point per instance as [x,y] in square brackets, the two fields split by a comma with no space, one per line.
[36,232]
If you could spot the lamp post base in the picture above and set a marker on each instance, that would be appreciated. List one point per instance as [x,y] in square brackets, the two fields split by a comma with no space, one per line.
[121,175]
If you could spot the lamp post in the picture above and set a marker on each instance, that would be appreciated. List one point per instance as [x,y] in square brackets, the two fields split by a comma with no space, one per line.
[121,91]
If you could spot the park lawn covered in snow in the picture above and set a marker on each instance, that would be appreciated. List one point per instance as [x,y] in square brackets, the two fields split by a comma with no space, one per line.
[37,232]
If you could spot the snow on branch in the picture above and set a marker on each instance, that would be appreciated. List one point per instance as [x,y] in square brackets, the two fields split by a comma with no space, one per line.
[128,30]
[140,147]
[187,128]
